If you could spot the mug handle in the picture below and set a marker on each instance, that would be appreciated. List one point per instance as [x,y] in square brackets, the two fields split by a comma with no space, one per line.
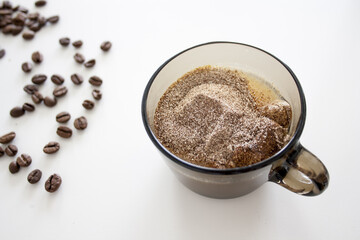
[301,172]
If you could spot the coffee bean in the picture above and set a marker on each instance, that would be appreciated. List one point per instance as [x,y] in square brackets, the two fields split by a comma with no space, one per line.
[63,117]
[26,67]
[65,41]
[28,107]
[6,138]
[57,79]
[2,53]
[16,30]
[31,89]
[2,151]
[28,35]
[53,183]
[19,19]
[53,19]
[60,91]
[96,94]
[88,104]
[24,160]
[34,176]
[80,123]
[37,97]
[11,150]
[39,78]
[14,167]
[95,80]
[105,46]
[33,16]
[49,101]
[17,112]
[77,43]
[8,29]
[79,58]
[35,26]
[64,132]
[7,5]
[37,57]
[90,63]
[77,79]
[42,21]
[22,9]
[4,12]
[51,147]
[40,3]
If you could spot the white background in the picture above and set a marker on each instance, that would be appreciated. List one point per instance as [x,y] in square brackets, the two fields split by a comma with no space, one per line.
[115,185]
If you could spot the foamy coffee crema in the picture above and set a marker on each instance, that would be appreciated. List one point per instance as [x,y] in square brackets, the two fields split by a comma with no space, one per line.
[222,118]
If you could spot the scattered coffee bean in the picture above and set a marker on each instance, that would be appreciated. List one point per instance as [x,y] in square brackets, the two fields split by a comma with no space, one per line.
[95,81]
[53,19]
[90,63]
[57,79]
[16,30]
[26,67]
[39,79]
[88,104]
[51,147]
[42,21]
[79,58]
[11,150]
[28,35]
[35,26]
[2,151]
[50,101]
[64,132]
[34,176]
[19,19]
[37,97]
[53,183]
[65,41]
[40,3]
[28,107]
[2,53]
[21,9]
[60,91]
[6,138]
[17,112]
[96,94]
[31,89]
[8,29]
[7,5]
[77,43]
[105,46]
[14,167]
[77,79]
[80,123]
[33,16]
[37,57]
[63,117]
[24,160]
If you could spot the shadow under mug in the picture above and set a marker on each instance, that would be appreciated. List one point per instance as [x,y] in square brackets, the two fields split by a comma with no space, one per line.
[293,167]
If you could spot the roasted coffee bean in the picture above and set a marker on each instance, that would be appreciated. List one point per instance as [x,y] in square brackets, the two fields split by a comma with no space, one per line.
[24,160]
[57,79]
[37,97]
[7,5]
[77,79]
[31,89]
[88,104]
[8,29]
[16,30]
[14,167]
[40,3]
[22,9]
[80,123]
[4,12]
[53,183]
[28,35]
[105,46]
[28,107]
[63,117]
[17,112]
[51,147]
[90,63]
[60,91]
[79,58]
[95,80]
[26,67]
[33,16]
[50,101]
[64,132]
[42,21]
[2,53]
[77,43]
[35,26]
[19,19]
[53,19]
[6,138]
[11,150]
[65,41]
[39,78]
[37,57]
[34,176]
[2,151]
[96,94]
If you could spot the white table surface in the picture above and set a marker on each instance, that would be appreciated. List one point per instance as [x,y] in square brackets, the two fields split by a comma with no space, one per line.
[115,185]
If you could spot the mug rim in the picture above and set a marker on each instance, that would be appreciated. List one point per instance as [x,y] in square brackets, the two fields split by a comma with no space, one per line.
[229,171]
